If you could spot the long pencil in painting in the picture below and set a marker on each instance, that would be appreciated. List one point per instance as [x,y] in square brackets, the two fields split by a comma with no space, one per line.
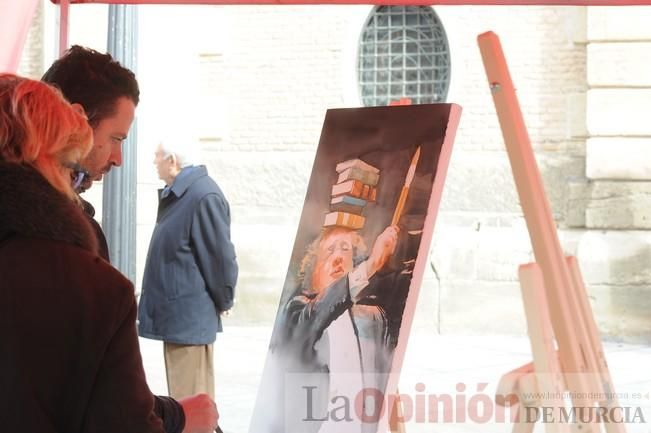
[405,188]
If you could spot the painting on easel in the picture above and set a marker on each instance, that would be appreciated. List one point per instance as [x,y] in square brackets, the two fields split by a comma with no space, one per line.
[362,244]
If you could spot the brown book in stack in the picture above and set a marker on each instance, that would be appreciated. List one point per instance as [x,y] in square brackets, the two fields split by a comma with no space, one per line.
[355,188]
[344,219]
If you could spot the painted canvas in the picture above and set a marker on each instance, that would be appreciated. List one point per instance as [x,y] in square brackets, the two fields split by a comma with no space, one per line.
[360,251]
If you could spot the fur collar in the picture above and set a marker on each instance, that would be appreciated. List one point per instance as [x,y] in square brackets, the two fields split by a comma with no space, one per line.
[31,207]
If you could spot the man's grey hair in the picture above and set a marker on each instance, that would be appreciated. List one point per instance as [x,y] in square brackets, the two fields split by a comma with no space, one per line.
[183,148]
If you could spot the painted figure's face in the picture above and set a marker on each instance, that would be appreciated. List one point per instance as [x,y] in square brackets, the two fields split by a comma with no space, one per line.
[334,258]
[108,136]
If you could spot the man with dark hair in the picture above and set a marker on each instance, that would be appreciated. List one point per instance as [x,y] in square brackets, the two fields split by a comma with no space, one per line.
[109,94]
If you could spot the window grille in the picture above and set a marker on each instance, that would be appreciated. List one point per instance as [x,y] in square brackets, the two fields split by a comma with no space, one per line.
[403,53]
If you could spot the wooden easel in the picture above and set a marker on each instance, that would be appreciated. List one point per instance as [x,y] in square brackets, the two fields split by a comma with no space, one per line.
[555,299]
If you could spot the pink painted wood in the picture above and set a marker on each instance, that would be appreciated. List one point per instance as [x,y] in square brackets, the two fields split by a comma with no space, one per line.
[64,9]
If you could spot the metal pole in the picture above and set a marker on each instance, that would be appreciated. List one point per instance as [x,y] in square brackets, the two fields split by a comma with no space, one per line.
[119,194]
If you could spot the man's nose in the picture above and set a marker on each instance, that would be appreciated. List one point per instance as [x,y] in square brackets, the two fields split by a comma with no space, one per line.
[116,158]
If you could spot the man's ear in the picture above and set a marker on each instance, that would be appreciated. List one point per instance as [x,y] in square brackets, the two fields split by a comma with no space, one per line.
[79,109]
[174,160]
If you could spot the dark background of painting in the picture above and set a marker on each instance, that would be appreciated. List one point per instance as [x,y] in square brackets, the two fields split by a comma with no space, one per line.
[386,138]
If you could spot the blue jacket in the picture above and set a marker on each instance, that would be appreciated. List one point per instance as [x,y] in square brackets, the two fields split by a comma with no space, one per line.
[191,269]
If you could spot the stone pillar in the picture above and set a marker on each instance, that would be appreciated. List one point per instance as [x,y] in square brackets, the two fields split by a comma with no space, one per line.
[616,253]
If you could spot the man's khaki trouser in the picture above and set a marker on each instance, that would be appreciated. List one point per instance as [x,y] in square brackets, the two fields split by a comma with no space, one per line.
[189,370]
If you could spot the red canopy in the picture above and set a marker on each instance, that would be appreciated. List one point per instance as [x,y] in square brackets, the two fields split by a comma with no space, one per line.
[378,2]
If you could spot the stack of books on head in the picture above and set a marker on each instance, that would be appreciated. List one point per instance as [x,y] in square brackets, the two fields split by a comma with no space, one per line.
[356,187]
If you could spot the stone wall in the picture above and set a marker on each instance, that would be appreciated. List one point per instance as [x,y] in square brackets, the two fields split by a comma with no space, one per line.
[252,84]
[615,253]
[481,238]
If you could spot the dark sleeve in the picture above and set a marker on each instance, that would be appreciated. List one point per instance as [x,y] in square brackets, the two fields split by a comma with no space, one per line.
[171,412]
[308,316]
[121,400]
[214,253]
[89,212]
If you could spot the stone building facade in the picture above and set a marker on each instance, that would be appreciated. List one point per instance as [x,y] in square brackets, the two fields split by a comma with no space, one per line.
[253,84]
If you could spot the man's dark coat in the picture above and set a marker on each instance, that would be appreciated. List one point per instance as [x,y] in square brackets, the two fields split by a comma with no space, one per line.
[191,268]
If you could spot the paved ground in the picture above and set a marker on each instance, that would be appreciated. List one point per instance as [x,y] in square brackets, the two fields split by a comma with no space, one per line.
[440,363]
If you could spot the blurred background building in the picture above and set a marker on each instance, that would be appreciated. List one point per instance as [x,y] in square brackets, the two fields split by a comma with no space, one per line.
[252,83]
